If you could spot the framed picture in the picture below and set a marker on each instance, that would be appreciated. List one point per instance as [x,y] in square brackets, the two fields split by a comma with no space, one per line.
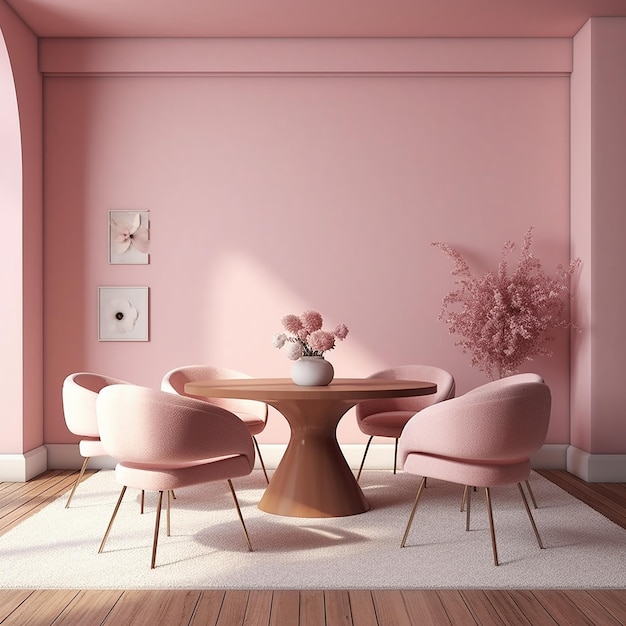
[129,237]
[123,313]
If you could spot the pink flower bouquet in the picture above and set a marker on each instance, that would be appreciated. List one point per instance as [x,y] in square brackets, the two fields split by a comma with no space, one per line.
[306,337]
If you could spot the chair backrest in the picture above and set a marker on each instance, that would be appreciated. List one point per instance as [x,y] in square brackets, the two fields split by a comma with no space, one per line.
[505,423]
[174,382]
[151,427]
[80,391]
[528,377]
[443,379]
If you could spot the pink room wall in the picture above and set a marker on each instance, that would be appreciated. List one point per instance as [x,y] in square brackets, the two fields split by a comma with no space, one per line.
[21,331]
[291,180]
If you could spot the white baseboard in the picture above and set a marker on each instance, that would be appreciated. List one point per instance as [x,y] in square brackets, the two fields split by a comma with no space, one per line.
[67,456]
[552,456]
[590,467]
[596,468]
[380,456]
[20,468]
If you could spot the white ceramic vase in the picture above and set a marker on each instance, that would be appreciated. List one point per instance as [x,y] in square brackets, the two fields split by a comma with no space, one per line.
[311,371]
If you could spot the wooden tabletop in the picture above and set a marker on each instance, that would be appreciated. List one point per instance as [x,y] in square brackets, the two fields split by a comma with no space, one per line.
[284,388]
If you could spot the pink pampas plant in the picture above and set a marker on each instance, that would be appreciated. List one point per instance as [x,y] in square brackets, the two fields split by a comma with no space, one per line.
[504,318]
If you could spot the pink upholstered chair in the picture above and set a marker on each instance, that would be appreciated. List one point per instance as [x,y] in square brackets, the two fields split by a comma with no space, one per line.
[252,413]
[80,391]
[164,441]
[528,377]
[387,417]
[483,438]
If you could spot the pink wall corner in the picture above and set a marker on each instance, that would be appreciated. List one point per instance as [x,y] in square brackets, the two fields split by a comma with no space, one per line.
[274,193]
[21,266]
[598,222]
[581,212]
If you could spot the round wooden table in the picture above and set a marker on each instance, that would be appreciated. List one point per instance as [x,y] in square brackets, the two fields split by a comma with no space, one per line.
[313,478]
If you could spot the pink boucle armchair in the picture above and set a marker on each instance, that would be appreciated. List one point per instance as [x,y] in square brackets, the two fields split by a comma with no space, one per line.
[252,413]
[80,391]
[164,441]
[387,417]
[484,439]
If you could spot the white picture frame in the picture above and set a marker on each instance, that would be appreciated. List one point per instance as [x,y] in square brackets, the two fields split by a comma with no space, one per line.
[129,237]
[123,314]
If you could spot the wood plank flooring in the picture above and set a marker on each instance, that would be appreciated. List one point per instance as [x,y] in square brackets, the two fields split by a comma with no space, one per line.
[406,607]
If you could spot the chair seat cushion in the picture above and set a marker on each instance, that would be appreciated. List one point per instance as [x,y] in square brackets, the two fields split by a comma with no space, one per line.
[254,424]
[474,473]
[91,447]
[387,424]
[161,478]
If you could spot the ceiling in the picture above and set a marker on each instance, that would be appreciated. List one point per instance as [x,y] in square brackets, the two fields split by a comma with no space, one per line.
[311,18]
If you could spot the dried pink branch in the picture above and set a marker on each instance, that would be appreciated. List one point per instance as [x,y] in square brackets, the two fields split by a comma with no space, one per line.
[504,318]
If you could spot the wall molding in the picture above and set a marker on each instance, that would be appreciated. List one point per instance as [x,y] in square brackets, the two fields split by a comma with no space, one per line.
[20,468]
[379,457]
[305,56]
[592,468]
[596,468]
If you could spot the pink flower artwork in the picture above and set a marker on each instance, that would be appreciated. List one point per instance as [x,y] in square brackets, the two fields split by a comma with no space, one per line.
[505,318]
[129,236]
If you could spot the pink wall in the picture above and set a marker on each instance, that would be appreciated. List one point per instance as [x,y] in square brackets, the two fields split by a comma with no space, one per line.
[21,338]
[303,181]
[598,222]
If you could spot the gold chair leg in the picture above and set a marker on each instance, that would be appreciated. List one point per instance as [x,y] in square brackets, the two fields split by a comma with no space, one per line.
[467,496]
[80,475]
[256,443]
[156,530]
[367,447]
[245,530]
[395,457]
[408,526]
[491,527]
[531,494]
[464,496]
[115,510]
[530,516]
[169,494]
[143,499]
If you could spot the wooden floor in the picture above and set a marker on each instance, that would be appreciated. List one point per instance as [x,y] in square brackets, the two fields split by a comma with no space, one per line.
[304,607]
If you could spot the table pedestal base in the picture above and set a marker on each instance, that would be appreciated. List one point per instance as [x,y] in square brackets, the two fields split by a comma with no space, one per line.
[313,478]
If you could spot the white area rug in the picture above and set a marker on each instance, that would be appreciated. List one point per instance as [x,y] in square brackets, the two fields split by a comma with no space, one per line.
[57,548]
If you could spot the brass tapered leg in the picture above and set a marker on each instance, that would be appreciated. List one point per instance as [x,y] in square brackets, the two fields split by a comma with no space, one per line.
[467,496]
[256,443]
[169,493]
[80,475]
[530,516]
[395,456]
[491,527]
[408,526]
[367,447]
[143,498]
[156,530]
[245,530]
[115,510]
[531,494]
